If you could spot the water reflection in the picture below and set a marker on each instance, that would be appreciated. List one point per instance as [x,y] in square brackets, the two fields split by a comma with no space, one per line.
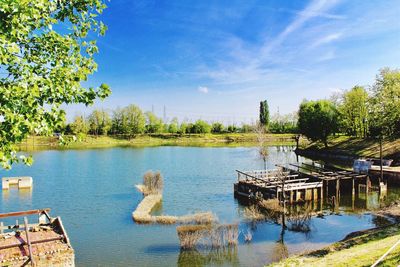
[198,258]
[13,194]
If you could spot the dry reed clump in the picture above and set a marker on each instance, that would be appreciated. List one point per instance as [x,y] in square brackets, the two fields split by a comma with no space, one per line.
[215,236]
[190,235]
[142,212]
[198,218]
[153,183]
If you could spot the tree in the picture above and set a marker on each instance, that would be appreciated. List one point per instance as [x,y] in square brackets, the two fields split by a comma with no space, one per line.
[135,120]
[354,111]
[260,132]
[232,128]
[217,127]
[385,104]
[183,128]
[200,126]
[118,122]
[173,126]
[99,122]
[153,123]
[264,113]
[43,68]
[318,120]
[79,126]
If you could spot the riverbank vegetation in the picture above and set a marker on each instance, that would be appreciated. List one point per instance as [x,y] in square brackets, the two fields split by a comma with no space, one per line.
[353,147]
[362,248]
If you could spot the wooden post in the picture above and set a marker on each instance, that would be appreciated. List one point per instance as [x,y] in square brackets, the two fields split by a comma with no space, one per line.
[28,241]
[298,195]
[337,198]
[381,156]
[291,197]
[353,189]
[315,194]
[327,188]
[1,227]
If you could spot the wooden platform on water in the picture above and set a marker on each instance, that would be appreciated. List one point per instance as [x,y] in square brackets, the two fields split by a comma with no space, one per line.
[295,182]
[43,243]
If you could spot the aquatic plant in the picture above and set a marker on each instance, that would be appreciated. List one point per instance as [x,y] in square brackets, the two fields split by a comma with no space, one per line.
[214,236]
[153,183]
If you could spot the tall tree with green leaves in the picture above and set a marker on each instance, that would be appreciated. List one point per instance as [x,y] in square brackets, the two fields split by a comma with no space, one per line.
[153,123]
[318,120]
[354,111]
[135,121]
[264,113]
[385,104]
[99,122]
[45,54]
[80,125]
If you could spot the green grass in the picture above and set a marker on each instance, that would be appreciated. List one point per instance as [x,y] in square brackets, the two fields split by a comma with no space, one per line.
[345,145]
[361,250]
[206,140]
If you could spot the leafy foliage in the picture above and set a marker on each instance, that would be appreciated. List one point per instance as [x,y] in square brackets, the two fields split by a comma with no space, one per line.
[264,113]
[42,68]
[153,123]
[385,104]
[354,112]
[318,119]
[99,122]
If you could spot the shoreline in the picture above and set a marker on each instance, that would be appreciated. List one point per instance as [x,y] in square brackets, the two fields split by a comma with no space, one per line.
[349,148]
[359,248]
[37,143]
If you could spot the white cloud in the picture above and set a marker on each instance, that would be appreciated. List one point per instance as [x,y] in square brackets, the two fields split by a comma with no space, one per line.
[203,89]
[326,39]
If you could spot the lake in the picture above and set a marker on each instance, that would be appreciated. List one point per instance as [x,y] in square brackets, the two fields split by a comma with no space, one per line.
[93,192]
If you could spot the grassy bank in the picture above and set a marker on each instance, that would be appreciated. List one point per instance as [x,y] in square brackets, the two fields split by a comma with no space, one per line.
[231,139]
[351,146]
[358,249]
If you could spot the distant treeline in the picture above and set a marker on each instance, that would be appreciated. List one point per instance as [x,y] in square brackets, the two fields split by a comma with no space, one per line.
[131,121]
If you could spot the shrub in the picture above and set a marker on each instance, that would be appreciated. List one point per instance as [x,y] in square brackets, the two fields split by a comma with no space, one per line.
[153,183]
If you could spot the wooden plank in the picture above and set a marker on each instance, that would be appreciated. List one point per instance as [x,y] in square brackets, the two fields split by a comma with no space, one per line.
[29,242]
[64,233]
[22,213]
[23,242]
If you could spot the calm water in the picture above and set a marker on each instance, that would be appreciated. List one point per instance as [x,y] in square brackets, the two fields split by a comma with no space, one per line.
[93,192]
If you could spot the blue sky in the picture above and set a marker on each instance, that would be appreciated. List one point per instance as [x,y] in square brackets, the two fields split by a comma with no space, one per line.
[216,60]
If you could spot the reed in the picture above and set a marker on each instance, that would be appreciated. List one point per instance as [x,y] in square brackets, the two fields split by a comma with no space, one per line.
[153,183]
[190,235]
[214,236]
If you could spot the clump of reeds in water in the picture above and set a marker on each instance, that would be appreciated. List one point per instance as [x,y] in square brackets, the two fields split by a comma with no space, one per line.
[190,235]
[214,236]
[153,183]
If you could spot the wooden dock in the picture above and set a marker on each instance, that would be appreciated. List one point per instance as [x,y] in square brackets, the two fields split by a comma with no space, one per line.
[296,183]
[42,243]
[283,185]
